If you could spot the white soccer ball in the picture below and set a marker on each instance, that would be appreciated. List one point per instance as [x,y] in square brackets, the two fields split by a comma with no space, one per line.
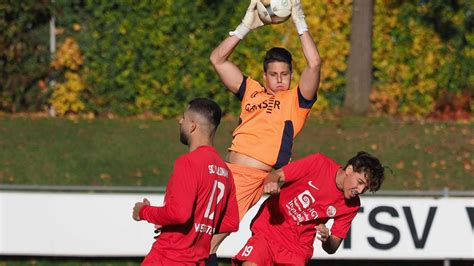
[274,11]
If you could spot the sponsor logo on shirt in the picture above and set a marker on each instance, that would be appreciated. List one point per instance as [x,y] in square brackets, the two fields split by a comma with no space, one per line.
[269,105]
[204,228]
[305,198]
[299,208]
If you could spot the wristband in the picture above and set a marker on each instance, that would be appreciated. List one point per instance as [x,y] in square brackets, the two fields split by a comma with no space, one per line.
[240,31]
[301,27]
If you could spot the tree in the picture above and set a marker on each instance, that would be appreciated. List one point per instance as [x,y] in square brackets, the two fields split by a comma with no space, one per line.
[24,55]
[359,72]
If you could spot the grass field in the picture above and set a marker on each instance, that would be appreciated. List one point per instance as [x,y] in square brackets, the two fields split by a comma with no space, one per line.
[133,152]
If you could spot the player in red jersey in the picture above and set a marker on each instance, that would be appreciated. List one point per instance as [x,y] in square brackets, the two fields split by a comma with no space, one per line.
[271,115]
[200,196]
[315,190]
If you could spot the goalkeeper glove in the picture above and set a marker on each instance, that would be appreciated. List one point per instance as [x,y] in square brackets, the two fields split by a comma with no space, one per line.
[250,21]
[297,14]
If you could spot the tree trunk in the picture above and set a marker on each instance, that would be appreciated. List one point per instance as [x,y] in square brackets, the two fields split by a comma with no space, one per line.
[359,70]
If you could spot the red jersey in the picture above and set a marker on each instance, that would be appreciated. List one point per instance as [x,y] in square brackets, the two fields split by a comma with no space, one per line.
[309,197]
[199,201]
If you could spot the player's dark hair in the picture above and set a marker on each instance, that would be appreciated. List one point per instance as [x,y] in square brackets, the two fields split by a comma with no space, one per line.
[277,54]
[209,109]
[365,163]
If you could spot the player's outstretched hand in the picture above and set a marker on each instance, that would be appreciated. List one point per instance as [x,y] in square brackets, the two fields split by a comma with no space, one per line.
[297,14]
[250,21]
[251,18]
[270,184]
[138,206]
[322,232]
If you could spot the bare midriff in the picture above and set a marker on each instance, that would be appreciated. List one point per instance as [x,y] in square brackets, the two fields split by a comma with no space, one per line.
[241,159]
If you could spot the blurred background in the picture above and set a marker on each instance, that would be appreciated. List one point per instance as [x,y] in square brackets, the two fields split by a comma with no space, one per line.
[90,92]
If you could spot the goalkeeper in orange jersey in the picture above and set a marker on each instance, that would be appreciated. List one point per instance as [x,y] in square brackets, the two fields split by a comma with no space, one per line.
[271,114]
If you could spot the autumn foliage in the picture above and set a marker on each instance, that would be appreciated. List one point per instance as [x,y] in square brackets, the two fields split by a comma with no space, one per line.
[132,58]
[66,97]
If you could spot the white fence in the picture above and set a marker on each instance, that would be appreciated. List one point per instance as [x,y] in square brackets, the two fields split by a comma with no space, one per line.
[100,224]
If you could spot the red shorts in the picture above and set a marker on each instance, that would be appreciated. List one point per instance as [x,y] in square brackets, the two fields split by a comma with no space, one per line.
[262,252]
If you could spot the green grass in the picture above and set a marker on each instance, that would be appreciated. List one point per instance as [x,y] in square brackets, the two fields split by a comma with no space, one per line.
[132,152]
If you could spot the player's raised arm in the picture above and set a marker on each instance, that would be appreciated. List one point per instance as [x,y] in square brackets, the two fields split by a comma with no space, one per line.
[309,81]
[228,72]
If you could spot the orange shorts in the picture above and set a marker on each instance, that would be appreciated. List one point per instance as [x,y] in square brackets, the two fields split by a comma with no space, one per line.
[248,186]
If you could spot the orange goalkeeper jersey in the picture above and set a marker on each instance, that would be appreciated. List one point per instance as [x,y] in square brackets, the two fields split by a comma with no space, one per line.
[269,123]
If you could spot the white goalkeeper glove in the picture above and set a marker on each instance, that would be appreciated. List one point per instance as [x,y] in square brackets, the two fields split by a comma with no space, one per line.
[297,14]
[250,21]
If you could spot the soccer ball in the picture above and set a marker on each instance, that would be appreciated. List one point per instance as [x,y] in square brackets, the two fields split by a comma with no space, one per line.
[274,11]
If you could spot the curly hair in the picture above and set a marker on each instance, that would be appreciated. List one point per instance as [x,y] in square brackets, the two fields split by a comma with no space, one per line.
[365,163]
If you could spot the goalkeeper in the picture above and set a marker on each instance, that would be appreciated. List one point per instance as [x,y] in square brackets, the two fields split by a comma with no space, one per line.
[271,114]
